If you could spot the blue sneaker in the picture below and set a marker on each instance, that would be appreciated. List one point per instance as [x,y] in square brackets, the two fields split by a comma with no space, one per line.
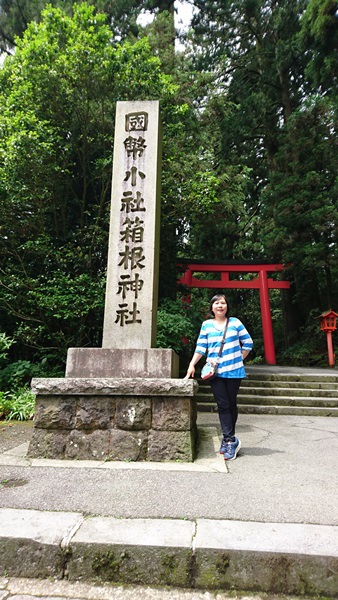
[232,449]
[223,446]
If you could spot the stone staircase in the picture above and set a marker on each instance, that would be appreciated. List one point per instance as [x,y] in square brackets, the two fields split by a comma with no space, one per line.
[281,393]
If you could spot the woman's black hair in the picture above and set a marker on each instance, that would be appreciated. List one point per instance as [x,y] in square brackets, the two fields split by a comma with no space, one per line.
[213,299]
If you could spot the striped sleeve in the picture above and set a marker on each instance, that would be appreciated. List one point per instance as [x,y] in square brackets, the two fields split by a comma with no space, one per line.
[202,341]
[244,337]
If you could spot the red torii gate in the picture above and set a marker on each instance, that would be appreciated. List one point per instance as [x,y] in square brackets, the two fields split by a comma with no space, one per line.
[262,282]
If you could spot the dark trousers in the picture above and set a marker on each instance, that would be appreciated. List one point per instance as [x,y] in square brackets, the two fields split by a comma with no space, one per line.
[225,392]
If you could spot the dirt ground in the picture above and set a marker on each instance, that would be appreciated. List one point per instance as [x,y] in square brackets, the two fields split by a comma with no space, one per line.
[14,433]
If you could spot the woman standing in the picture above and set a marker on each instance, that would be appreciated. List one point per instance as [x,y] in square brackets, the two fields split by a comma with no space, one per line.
[230,370]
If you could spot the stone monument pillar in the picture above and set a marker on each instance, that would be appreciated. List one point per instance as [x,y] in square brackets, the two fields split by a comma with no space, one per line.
[132,271]
[130,317]
[123,401]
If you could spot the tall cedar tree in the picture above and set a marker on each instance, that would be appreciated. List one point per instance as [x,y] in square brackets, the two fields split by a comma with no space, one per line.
[256,53]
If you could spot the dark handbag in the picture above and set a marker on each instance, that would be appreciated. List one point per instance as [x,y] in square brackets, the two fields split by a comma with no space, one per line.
[210,369]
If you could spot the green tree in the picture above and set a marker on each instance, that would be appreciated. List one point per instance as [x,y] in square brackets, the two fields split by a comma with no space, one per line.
[261,54]
[56,131]
[319,36]
[301,204]
[15,16]
[252,50]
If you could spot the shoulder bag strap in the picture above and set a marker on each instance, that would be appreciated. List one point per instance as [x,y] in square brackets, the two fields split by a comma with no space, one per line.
[223,340]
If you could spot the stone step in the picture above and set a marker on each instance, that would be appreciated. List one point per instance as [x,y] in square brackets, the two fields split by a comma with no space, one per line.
[261,390]
[305,411]
[288,558]
[314,385]
[278,400]
[310,394]
[326,377]
[288,400]
[288,391]
[291,391]
[274,409]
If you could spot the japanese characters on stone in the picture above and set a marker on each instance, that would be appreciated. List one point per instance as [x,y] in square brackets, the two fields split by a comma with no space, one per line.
[133,223]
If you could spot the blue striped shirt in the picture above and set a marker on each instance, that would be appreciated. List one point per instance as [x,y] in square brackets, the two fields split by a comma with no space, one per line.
[230,363]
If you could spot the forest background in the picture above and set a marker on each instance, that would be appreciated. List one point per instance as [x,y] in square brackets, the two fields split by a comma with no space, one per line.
[249,102]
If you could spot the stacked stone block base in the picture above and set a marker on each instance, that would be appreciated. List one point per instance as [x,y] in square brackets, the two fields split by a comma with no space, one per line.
[114,419]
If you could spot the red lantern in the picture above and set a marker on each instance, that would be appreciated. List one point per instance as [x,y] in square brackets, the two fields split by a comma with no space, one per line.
[328,323]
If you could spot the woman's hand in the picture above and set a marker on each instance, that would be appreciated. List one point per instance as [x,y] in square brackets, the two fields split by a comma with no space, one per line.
[191,368]
[190,372]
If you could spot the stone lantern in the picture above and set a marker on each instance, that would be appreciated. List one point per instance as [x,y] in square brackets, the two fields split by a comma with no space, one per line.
[328,323]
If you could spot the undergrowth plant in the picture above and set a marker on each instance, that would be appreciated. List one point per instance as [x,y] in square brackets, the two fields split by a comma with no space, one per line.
[18,405]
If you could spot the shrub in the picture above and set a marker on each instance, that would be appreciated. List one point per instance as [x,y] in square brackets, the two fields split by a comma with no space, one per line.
[174,329]
[18,406]
[5,344]
[17,375]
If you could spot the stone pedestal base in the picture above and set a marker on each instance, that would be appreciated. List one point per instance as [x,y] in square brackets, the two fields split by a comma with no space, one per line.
[114,419]
[123,362]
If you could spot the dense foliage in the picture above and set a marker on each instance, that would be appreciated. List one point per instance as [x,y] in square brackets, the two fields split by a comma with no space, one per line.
[275,62]
[250,118]
[56,139]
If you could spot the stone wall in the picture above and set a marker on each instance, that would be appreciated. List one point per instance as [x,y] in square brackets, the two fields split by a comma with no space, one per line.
[112,419]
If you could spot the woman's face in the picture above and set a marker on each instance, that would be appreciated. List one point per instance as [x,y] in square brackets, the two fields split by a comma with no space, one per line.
[220,307]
